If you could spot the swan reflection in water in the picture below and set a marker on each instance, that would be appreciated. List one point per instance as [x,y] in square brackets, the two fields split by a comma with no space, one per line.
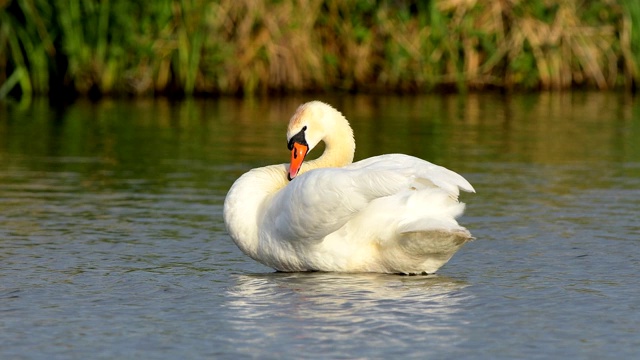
[365,310]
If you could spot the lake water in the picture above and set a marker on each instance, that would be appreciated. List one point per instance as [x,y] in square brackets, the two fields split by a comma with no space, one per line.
[112,243]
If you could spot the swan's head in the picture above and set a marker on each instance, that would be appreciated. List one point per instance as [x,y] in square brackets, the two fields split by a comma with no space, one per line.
[310,124]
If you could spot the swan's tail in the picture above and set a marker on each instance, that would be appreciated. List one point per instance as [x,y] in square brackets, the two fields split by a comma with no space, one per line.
[420,252]
[428,234]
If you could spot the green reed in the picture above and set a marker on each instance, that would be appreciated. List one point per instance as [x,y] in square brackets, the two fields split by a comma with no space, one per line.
[99,47]
[630,39]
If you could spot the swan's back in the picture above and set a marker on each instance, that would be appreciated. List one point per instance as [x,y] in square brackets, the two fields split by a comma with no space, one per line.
[379,215]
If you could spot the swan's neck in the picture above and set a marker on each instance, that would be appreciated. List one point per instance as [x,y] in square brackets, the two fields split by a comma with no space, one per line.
[246,201]
[340,146]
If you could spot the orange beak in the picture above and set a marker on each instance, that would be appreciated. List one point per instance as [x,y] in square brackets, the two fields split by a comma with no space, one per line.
[298,153]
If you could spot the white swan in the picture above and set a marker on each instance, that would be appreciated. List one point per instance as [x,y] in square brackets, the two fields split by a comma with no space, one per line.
[390,213]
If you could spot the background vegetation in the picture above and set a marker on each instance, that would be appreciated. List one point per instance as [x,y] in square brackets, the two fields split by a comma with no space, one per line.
[176,47]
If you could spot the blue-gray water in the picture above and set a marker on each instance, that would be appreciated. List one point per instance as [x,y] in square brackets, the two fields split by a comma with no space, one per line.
[112,243]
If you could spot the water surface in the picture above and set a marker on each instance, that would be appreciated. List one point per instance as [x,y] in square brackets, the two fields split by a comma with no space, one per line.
[112,243]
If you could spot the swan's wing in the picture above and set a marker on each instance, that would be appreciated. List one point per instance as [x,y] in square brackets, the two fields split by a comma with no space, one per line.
[423,172]
[321,201]
[316,204]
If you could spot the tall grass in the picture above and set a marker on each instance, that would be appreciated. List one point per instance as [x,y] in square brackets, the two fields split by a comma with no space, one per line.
[96,47]
[630,40]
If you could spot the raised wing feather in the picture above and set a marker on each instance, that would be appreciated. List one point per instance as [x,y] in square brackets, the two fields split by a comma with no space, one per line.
[423,172]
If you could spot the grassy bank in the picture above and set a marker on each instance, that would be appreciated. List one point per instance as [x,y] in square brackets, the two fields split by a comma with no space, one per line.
[93,47]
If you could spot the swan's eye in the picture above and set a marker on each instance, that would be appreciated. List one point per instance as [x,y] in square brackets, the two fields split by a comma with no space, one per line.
[304,128]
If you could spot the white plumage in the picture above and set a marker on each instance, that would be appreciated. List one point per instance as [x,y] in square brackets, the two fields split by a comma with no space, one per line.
[391,213]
